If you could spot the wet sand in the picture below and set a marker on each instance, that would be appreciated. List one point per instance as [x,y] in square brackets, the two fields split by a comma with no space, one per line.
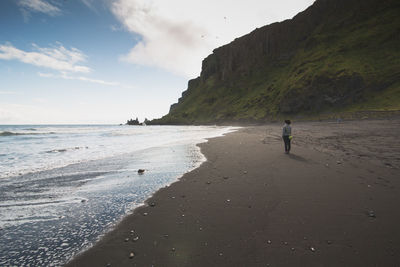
[334,201]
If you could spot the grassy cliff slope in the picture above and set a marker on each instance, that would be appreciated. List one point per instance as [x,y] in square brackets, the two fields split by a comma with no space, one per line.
[336,56]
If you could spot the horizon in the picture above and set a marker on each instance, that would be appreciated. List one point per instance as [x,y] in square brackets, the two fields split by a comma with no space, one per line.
[77,62]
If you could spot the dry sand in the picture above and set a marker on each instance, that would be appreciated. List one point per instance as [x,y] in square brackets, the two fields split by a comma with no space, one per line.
[334,201]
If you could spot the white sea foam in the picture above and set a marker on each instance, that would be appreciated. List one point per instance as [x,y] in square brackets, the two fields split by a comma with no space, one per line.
[26,149]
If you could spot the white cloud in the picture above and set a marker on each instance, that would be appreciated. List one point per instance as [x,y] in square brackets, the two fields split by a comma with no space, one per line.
[94,4]
[39,6]
[56,58]
[84,79]
[8,93]
[178,34]
[40,100]
[46,75]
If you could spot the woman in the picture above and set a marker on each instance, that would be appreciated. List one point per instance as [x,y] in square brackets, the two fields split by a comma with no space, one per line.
[287,135]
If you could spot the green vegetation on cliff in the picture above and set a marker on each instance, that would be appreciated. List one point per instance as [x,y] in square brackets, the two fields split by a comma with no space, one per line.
[336,56]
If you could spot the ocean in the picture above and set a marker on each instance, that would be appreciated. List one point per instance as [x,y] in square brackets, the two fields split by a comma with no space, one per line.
[63,186]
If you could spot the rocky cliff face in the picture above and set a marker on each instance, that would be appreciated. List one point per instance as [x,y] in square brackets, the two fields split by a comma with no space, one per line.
[280,41]
[334,54]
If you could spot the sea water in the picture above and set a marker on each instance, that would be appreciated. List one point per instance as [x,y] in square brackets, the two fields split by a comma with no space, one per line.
[63,186]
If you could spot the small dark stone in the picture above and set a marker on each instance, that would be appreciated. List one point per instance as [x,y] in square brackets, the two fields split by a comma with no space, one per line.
[152,204]
[141,171]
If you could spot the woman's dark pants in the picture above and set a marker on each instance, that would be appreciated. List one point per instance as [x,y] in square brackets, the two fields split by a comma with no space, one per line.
[287,143]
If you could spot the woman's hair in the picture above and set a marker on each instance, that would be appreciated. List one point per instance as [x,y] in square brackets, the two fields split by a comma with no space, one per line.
[287,121]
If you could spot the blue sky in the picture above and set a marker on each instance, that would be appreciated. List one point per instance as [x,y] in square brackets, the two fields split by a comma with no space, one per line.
[105,61]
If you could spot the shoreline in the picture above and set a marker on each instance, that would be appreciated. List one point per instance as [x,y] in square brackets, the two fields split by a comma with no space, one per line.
[198,164]
[71,206]
[249,204]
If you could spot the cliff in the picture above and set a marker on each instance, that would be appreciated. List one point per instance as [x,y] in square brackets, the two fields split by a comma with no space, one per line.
[336,56]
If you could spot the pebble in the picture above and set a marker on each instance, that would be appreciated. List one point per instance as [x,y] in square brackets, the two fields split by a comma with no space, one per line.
[108,265]
[131,255]
[152,204]
[173,249]
[371,214]
[269,242]
[226,177]
[208,182]
[286,243]
[136,238]
[126,239]
[328,242]
[245,172]
[293,249]
[312,249]
[145,214]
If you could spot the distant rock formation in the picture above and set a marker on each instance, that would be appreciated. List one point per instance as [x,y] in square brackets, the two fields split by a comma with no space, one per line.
[136,122]
[337,55]
[133,122]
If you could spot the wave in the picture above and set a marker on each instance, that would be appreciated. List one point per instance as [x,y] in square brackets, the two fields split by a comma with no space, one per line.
[7,133]
[65,149]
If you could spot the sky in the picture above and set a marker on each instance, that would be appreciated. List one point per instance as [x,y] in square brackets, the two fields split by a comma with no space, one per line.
[106,61]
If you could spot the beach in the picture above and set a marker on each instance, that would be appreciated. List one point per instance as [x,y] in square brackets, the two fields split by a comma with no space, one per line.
[62,187]
[333,201]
